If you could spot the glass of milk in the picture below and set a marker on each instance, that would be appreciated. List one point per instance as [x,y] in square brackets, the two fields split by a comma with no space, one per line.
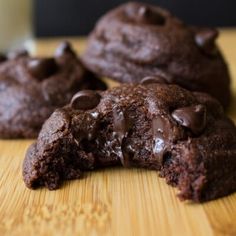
[15,24]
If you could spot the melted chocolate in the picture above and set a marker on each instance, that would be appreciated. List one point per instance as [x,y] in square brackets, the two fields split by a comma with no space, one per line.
[121,126]
[160,129]
[192,117]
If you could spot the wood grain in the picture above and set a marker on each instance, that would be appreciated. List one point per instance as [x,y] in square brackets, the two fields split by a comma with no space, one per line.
[109,202]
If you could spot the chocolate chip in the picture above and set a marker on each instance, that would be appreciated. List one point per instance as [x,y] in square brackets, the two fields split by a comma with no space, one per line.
[192,117]
[85,100]
[2,57]
[17,53]
[161,133]
[64,48]
[205,39]
[153,79]
[42,68]
[144,14]
[147,16]
[121,123]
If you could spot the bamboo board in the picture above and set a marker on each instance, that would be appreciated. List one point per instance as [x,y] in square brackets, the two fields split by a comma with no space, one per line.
[109,202]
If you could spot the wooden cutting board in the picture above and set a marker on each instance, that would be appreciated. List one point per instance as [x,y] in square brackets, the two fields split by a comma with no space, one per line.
[109,202]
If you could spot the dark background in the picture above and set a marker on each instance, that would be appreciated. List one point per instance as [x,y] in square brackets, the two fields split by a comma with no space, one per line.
[77,17]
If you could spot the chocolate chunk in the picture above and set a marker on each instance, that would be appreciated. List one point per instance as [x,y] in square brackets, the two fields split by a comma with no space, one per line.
[147,16]
[193,117]
[85,100]
[42,68]
[17,53]
[205,39]
[64,48]
[153,79]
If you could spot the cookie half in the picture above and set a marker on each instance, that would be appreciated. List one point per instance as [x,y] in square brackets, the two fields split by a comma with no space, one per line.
[183,135]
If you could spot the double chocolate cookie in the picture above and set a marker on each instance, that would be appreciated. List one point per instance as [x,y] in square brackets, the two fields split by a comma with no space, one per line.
[137,40]
[183,135]
[32,88]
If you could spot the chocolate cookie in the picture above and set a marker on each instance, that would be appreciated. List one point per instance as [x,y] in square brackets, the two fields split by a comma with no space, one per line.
[183,135]
[137,40]
[32,88]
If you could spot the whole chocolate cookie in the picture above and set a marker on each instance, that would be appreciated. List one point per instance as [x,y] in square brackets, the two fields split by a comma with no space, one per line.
[137,40]
[183,135]
[32,88]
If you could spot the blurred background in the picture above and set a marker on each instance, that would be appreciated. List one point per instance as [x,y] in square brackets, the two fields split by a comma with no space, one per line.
[25,19]
[73,17]
[16,24]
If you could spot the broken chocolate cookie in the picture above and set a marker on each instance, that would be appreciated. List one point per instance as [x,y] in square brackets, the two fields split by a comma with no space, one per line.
[183,135]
